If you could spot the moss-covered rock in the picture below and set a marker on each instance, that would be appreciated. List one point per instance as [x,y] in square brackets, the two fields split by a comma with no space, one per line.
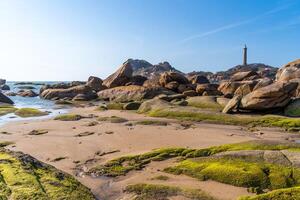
[280,194]
[112,119]
[205,102]
[25,178]
[293,109]
[30,112]
[68,117]
[6,109]
[160,192]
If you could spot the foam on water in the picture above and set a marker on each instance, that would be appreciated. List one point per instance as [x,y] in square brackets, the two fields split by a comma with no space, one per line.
[32,102]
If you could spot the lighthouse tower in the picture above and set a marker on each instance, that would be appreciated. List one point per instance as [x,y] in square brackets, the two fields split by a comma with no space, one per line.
[245,56]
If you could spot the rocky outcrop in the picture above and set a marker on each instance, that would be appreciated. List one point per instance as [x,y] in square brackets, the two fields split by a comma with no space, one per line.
[61,85]
[146,69]
[198,79]
[232,104]
[5,99]
[228,88]
[2,81]
[27,93]
[137,80]
[120,77]
[3,85]
[276,95]
[208,89]
[69,93]
[240,76]
[168,77]
[289,71]
[132,93]
[95,83]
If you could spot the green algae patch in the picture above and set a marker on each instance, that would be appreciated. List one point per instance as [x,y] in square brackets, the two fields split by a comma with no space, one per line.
[239,173]
[280,194]
[112,119]
[29,112]
[161,178]
[122,165]
[157,191]
[115,106]
[6,109]
[152,122]
[68,117]
[219,118]
[204,102]
[23,177]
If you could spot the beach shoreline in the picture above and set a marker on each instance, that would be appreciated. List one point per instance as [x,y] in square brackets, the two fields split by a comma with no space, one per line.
[128,138]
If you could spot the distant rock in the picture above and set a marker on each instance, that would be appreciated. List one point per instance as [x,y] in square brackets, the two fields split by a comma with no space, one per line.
[146,69]
[276,95]
[131,93]
[262,70]
[27,93]
[210,89]
[61,85]
[5,99]
[289,71]
[69,93]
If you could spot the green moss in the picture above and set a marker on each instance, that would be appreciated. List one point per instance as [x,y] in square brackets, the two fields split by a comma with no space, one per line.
[239,173]
[112,119]
[23,178]
[152,122]
[115,106]
[160,192]
[204,104]
[161,178]
[219,118]
[68,117]
[30,112]
[280,194]
[6,109]
[122,165]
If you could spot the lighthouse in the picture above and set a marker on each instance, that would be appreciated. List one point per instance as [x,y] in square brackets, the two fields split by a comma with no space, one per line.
[245,56]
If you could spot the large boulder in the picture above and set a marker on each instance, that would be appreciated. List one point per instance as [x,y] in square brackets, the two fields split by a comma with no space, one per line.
[2,81]
[153,104]
[137,80]
[228,88]
[198,79]
[289,71]
[5,99]
[168,77]
[4,87]
[263,83]
[122,76]
[69,93]
[276,95]
[208,89]
[95,83]
[132,93]
[240,76]
[232,104]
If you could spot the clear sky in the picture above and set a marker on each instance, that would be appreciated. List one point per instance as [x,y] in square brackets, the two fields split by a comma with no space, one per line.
[73,39]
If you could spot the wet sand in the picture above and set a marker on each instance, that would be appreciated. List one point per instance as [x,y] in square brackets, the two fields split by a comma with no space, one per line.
[62,144]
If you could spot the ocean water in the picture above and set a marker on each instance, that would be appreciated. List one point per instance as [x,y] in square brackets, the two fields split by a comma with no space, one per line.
[32,102]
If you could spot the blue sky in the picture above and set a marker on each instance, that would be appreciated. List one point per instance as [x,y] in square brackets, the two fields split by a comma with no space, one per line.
[72,39]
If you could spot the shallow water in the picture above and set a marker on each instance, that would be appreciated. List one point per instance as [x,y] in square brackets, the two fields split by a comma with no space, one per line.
[32,102]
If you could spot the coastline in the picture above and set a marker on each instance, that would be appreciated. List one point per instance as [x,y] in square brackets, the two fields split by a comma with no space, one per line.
[61,142]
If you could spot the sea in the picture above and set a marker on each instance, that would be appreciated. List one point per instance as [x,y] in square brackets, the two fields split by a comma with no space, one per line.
[32,102]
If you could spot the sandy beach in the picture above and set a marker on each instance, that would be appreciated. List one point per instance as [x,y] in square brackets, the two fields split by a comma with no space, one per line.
[62,148]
